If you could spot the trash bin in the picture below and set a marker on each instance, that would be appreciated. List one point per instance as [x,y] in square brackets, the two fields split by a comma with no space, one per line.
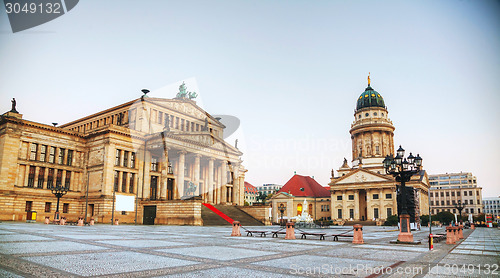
[31,216]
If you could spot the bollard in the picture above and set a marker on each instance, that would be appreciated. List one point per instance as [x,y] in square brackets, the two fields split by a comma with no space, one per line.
[460,232]
[290,230]
[47,220]
[62,221]
[80,221]
[449,235]
[116,222]
[91,221]
[236,229]
[431,242]
[358,234]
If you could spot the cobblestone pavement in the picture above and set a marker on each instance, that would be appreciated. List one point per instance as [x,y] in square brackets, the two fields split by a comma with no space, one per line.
[37,250]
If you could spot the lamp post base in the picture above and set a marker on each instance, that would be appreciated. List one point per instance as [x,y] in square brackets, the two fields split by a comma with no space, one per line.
[405,234]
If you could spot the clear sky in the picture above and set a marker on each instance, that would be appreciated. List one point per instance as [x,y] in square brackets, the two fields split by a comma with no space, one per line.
[291,71]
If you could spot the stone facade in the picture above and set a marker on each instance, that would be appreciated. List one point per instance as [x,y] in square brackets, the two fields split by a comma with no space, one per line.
[450,188]
[158,151]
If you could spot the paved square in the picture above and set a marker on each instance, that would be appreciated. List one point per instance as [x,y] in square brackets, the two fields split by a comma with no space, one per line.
[37,250]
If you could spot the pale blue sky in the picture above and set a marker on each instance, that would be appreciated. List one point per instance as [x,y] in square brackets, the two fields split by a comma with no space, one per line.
[290,70]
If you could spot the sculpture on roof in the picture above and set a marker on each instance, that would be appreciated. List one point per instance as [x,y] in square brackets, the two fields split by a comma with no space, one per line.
[183,93]
[13,106]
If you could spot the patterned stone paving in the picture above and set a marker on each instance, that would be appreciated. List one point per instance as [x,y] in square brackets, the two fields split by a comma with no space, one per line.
[37,250]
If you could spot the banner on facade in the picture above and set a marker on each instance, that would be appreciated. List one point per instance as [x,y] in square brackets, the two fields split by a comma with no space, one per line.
[125,203]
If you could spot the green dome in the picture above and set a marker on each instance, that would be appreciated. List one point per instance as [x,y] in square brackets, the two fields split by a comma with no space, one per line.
[370,98]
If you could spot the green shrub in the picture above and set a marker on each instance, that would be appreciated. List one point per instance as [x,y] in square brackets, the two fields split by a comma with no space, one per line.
[391,220]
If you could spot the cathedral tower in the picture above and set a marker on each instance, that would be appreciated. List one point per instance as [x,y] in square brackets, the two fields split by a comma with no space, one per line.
[372,132]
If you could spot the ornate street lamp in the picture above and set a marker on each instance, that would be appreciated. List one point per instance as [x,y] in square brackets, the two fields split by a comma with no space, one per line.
[282,209]
[403,169]
[58,191]
[460,207]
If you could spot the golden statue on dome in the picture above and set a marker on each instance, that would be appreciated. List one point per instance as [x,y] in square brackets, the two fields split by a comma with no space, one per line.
[368,78]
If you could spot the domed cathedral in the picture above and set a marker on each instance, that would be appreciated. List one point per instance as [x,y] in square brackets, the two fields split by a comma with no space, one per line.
[363,191]
[372,132]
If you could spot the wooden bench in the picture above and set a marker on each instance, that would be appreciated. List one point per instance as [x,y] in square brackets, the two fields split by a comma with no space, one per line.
[262,233]
[275,234]
[321,235]
[438,237]
[336,237]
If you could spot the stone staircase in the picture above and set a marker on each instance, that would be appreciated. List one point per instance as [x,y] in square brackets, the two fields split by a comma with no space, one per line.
[210,218]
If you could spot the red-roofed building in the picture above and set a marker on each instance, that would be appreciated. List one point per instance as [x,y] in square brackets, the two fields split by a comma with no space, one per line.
[251,193]
[300,190]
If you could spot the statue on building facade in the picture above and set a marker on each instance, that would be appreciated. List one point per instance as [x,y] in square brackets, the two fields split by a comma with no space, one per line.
[183,93]
[13,110]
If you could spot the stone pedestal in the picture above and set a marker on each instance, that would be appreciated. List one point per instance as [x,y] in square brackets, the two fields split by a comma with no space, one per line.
[236,229]
[290,230]
[405,234]
[47,220]
[358,234]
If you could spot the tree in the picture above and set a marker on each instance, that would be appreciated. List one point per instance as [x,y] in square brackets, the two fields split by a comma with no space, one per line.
[424,219]
[261,198]
[445,217]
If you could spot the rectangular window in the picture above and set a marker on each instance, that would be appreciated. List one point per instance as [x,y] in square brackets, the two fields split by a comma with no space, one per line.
[28,206]
[65,208]
[52,154]
[442,203]
[458,193]
[125,159]
[132,160]
[339,213]
[60,159]
[351,197]
[447,194]
[47,206]
[388,196]
[432,195]
[465,193]
[131,183]
[351,213]
[154,164]
[31,176]
[448,202]
[33,150]
[453,194]
[41,177]
[375,212]
[160,117]
[442,194]
[69,159]
[117,157]
[116,181]
[59,177]
[339,198]
[432,203]
[375,197]
[470,193]
[389,212]
[67,179]
[182,124]
[472,210]
[50,178]
[124,182]
[43,153]
[466,202]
